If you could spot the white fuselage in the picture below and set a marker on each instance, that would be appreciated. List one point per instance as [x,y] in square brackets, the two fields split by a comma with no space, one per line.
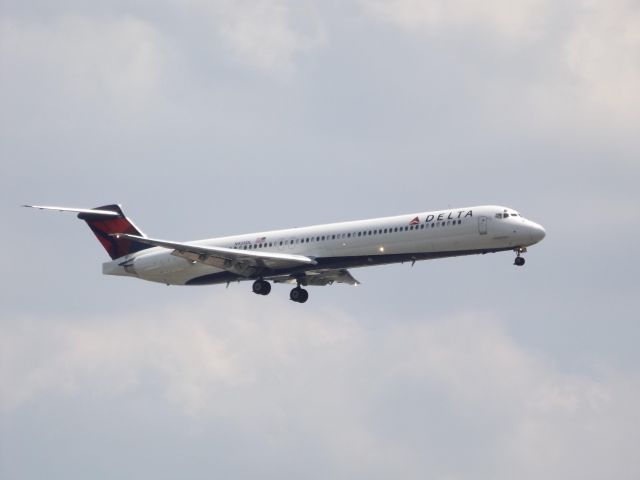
[416,236]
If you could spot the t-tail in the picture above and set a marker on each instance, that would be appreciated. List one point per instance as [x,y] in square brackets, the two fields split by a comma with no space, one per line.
[105,222]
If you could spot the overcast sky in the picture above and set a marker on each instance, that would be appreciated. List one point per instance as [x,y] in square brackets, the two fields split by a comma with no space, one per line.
[208,118]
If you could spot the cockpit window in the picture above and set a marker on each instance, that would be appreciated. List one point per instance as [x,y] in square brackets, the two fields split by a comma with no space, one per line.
[514,214]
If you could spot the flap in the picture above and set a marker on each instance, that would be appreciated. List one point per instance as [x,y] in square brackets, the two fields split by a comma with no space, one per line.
[318,277]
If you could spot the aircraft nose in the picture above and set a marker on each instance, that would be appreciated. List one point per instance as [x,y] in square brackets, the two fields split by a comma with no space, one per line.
[537,232]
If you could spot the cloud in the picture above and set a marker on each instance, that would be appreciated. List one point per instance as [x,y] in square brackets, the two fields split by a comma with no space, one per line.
[602,55]
[117,63]
[504,19]
[568,64]
[412,396]
[265,34]
[131,67]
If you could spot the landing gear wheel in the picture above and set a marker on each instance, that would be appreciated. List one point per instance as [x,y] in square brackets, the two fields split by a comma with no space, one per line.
[299,295]
[519,261]
[305,296]
[261,287]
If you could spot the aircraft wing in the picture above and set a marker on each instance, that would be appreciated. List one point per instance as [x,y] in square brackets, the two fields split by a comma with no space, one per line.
[241,262]
[318,277]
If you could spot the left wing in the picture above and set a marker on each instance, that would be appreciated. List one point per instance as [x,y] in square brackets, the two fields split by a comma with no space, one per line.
[241,262]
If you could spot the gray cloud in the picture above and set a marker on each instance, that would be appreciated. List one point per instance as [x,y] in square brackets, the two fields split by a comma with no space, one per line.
[215,118]
[459,383]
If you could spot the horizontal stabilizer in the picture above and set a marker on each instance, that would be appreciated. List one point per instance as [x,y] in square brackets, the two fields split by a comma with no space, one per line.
[106,213]
[104,221]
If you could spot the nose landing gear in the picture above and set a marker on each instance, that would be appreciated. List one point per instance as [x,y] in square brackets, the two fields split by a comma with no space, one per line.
[519,261]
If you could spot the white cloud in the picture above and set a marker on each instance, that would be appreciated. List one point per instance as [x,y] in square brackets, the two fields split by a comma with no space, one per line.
[116,64]
[371,399]
[602,53]
[264,34]
[504,18]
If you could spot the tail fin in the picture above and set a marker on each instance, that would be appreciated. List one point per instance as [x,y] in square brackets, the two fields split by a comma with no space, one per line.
[105,221]
[103,226]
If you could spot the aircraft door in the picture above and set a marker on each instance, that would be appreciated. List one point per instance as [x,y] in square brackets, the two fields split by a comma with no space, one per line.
[482,225]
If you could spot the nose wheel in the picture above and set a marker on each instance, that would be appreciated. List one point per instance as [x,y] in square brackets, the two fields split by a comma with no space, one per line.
[519,261]
[261,287]
[299,295]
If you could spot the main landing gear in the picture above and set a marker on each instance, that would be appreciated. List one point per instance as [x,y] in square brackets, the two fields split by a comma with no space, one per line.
[261,287]
[519,261]
[299,295]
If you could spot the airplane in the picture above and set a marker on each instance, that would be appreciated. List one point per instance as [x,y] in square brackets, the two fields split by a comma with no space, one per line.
[315,255]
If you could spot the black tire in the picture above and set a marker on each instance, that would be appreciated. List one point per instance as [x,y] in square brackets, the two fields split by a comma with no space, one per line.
[296,294]
[519,261]
[304,296]
[261,287]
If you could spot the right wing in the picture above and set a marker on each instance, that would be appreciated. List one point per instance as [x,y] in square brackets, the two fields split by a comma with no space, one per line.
[241,262]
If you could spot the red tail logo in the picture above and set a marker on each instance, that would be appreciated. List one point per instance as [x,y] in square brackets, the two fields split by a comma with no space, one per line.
[104,227]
